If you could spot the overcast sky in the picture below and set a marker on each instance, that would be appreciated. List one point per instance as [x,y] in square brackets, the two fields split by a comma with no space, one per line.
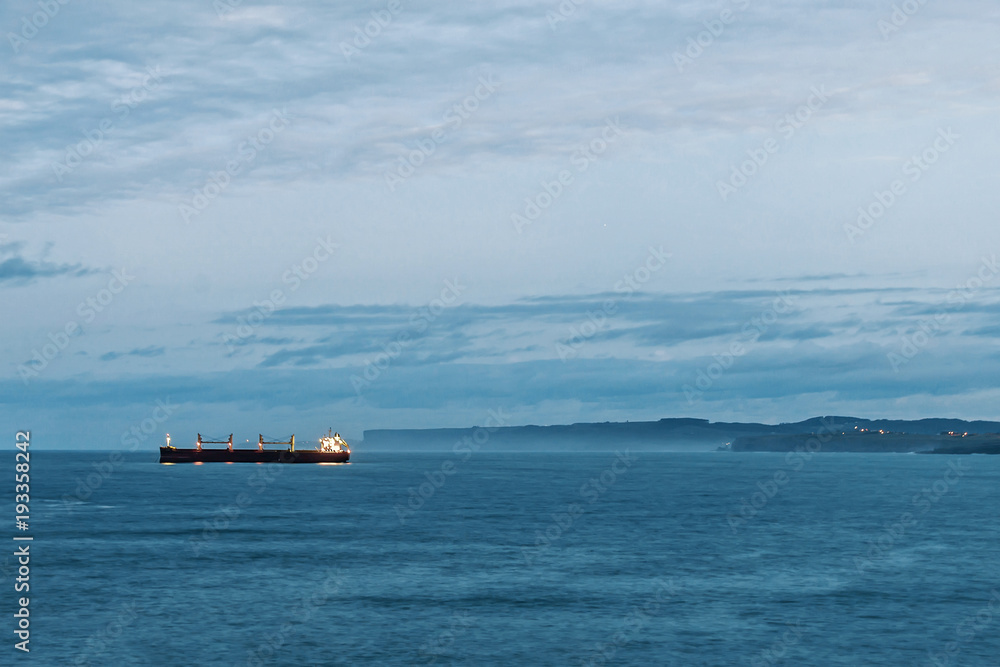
[273,222]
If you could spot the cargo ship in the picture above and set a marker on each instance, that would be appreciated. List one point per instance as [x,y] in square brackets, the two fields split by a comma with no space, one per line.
[332,449]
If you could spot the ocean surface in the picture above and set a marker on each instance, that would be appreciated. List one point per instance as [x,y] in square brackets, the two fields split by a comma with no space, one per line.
[489,558]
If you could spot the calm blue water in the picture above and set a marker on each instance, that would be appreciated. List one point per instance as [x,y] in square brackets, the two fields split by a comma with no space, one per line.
[517,559]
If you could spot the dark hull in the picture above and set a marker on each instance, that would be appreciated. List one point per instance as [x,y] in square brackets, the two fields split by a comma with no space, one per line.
[172,455]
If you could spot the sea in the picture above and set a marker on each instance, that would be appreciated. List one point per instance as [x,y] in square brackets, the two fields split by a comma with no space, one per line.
[511,558]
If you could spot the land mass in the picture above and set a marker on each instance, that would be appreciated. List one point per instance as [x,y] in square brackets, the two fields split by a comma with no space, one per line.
[852,441]
[838,434]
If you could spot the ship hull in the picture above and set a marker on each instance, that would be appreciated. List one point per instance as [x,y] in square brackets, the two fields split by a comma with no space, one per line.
[173,455]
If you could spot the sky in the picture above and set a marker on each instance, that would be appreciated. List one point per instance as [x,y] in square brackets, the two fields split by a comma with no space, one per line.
[254,218]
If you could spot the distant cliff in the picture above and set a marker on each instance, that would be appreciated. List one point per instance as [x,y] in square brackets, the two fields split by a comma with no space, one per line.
[679,434]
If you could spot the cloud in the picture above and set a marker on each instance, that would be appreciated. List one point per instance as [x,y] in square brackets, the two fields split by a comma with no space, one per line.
[852,374]
[105,137]
[828,354]
[150,351]
[626,323]
[16,269]
[355,116]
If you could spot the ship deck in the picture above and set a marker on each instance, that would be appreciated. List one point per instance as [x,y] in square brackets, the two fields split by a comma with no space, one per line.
[174,455]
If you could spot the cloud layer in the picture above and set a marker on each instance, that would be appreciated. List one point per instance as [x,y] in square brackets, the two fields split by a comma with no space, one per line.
[818,253]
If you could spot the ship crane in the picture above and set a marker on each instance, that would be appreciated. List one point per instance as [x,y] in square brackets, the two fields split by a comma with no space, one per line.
[261,442]
[216,442]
